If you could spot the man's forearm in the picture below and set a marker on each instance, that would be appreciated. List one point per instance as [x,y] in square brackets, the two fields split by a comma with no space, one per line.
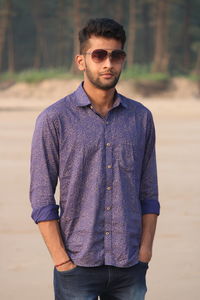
[50,231]
[149,222]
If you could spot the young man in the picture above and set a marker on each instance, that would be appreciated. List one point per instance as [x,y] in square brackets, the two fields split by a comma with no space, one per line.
[101,146]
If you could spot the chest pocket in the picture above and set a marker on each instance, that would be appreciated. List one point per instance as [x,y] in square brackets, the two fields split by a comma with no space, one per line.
[124,156]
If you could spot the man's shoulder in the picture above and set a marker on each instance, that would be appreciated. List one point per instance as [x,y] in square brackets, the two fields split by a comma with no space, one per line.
[134,105]
[57,108]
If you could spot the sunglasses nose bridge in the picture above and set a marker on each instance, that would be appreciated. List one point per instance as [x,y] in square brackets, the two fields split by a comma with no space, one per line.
[108,57]
[108,60]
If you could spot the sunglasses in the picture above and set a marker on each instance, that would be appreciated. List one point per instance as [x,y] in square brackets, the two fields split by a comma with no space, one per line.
[99,55]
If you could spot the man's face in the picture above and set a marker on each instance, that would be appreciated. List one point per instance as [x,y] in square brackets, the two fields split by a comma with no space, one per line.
[105,74]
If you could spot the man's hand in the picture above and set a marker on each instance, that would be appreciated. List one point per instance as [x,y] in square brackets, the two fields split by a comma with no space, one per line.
[145,254]
[148,231]
[66,267]
[52,236]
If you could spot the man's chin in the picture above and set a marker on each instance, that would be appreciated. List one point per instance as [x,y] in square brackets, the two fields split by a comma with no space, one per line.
[107,85]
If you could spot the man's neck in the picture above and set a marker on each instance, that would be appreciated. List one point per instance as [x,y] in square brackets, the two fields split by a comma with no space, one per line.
[101,99]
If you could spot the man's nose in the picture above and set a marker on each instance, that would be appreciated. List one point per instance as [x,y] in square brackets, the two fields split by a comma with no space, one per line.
[108,61]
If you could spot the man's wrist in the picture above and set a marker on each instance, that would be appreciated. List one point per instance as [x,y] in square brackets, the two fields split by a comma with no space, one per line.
[145,253]
[146,247]
[63,263]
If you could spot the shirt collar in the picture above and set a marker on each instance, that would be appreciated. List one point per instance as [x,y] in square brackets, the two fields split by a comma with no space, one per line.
[82,98]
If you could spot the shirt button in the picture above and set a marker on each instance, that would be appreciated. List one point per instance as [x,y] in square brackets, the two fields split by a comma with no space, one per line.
[91,106]
[109,166]
[108,208]
[107,122]
[107,232]
[107,144]
[108,188]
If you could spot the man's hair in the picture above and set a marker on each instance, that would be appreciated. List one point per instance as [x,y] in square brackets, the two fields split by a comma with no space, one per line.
[101,27]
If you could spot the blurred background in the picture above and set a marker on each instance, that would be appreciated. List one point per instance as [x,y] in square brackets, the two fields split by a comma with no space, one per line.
[162,36]
[38,41]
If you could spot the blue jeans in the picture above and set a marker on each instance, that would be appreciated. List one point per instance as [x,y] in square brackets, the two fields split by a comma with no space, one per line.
[107,282]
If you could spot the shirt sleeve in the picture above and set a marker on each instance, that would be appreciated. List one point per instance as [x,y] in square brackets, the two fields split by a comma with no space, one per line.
[44,168]
[149,184]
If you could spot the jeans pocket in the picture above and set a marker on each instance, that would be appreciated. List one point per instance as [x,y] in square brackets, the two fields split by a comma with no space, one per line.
[67,271]
[143,263]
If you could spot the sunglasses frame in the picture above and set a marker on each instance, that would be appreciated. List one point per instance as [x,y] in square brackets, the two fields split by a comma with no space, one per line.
[110,54]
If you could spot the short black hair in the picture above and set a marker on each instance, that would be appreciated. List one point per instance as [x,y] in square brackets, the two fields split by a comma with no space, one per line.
[102,27]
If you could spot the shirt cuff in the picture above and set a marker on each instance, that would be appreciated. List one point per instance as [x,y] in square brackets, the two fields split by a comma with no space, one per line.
[150,207]
[45,213]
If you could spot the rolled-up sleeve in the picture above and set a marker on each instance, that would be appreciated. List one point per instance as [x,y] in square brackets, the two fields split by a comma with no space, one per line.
[44,169]
[149,184]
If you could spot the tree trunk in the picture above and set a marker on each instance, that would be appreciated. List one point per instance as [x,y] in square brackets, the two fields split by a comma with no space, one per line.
[37,58]
[62,49]
[196,70]
[146,31]
[77,25]
[186,35]
[41,55]
[119,10]
[11,53]
[131,33]
[107,8]
[5,20]
[161,55]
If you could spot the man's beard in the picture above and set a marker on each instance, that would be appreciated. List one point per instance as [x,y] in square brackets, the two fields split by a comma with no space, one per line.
[101,85]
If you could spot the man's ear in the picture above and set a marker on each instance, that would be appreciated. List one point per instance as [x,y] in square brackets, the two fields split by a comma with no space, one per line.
[80,62]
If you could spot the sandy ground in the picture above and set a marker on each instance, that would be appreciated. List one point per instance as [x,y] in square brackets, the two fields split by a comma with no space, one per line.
[174,271]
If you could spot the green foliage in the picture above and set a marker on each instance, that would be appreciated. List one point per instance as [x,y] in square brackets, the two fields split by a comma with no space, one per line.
[137,72]
[142,72]
[43,33]
[33,76]
[194,77]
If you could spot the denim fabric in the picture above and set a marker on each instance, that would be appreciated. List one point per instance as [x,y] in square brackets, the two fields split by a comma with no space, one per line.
[107,282]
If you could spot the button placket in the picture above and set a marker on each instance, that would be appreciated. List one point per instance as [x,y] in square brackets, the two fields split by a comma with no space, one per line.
[108,193]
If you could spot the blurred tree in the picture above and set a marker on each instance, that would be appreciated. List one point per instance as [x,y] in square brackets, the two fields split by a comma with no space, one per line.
[80,15]
[186,33]
[11,52]
[119,11]
[131,33]
[145,19]
[44,33]
[61,15]
[161,54]
[76,27]
[6,14]
[41,54]
[196,48]
[195,36]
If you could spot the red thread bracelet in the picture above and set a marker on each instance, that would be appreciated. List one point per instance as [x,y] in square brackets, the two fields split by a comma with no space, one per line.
[63,263]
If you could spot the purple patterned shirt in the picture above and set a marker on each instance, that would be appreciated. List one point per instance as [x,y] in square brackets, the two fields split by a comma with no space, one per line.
[106,168]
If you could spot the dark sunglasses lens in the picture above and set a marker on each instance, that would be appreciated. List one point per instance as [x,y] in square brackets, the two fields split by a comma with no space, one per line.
[118,55]
[99,55]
